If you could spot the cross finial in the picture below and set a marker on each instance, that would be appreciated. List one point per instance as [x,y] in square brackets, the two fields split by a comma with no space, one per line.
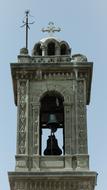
[51,29]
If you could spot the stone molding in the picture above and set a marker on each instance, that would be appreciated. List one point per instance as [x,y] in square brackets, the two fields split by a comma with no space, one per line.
[53,181]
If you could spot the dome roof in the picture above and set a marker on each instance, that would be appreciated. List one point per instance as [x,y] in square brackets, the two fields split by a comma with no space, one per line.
[51,46]
[43,40]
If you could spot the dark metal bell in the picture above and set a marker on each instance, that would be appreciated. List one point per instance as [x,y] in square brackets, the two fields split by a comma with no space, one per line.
[52,123]
[52,146]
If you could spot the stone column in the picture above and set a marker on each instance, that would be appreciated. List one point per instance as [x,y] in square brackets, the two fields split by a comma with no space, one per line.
[43,47]
[67,128]
[22,123]
[82,158]
[81,112]
[68,134]
[35,124]
[57,50]
[36,134]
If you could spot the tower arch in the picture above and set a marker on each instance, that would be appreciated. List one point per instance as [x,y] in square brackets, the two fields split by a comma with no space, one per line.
[64,48]
[51,106]
[51,48]
[37,50]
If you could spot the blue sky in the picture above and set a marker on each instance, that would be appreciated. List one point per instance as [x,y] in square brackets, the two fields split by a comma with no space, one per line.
[84,27]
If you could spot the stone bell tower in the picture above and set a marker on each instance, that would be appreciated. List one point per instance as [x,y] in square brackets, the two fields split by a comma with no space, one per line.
[51,92]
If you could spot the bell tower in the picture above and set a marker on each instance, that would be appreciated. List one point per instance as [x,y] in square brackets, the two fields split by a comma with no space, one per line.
[51,91]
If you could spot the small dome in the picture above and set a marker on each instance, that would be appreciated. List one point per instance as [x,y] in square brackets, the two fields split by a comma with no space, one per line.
[79,58]
[51,46]
[23,51]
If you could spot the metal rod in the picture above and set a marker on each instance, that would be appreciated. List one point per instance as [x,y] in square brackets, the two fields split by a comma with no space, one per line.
[51,143]
[27,26]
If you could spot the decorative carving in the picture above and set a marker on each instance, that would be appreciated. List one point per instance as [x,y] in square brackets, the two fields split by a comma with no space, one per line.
[21,164]
[83,75]
[19,185]
[56,184]
[22,90]
[39,75]
[81,112]
[38,59]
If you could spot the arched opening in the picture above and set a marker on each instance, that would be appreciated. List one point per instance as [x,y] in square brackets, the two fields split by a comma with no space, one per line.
[38,49]
[64,49]
[52,124]
[51,48]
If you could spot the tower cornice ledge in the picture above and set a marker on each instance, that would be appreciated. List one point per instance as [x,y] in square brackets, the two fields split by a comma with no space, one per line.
[67,174]
[43,72]
[78,180]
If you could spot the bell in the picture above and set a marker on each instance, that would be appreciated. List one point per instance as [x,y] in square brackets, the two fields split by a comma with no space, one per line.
[52,146]
[53,123]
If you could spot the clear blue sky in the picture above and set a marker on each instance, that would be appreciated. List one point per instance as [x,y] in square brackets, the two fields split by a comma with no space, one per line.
[84,27]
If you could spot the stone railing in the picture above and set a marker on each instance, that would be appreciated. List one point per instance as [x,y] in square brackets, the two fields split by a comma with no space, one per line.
[44,59]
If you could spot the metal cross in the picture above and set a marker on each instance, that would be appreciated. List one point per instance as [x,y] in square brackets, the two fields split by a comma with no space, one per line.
[51,29]
[26,24]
